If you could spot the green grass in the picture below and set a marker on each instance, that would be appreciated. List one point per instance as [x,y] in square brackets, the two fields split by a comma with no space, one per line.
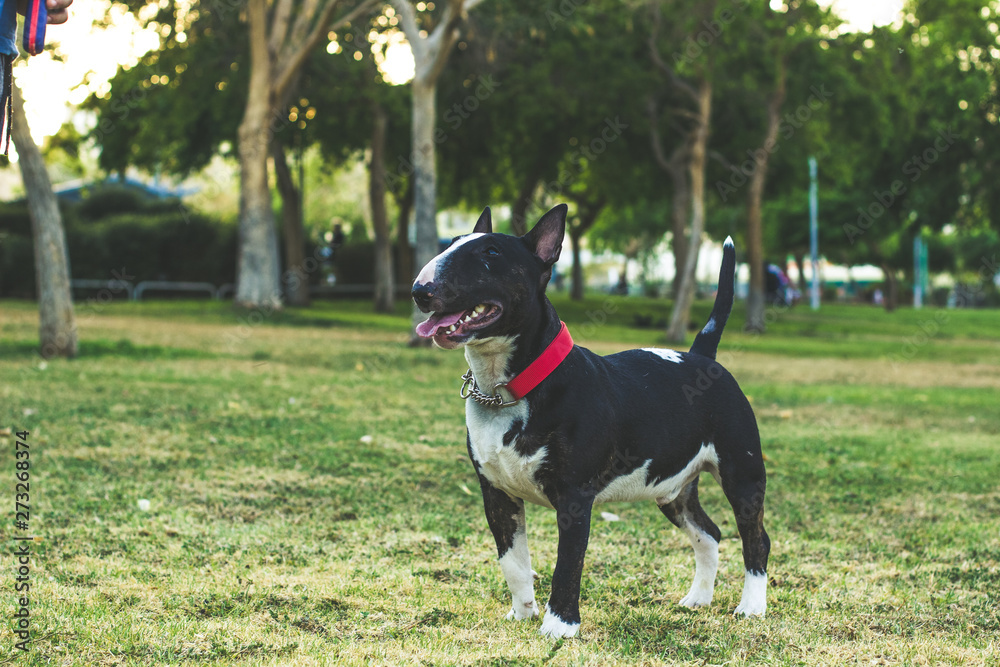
[312,502]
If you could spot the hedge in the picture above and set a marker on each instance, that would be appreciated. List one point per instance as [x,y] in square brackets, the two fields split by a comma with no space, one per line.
[145,245]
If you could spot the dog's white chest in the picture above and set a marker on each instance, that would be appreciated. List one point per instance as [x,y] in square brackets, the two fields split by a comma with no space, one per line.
[500,463]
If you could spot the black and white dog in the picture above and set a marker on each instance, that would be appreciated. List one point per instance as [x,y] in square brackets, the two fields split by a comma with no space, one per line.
[638,425]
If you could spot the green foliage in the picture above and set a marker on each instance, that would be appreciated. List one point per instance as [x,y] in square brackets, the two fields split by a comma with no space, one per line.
[178,106]
[531,85]
[528,96]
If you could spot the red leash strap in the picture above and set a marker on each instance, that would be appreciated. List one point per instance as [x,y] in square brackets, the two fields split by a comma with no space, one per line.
[36,15]
[542,367]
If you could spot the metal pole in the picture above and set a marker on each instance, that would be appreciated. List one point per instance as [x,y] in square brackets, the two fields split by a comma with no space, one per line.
[918,278]
[814,232]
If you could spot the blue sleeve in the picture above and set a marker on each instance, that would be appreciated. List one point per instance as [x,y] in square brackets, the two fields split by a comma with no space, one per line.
[8,27]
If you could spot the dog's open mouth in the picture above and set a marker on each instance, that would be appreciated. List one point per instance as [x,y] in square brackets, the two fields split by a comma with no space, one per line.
[453,328]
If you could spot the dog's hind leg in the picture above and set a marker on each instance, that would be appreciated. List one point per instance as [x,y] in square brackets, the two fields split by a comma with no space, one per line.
[744,484]
[505,516]
[686,513]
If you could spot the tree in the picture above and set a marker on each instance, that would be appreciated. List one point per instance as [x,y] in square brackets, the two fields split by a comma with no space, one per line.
[693,88]
[921,159]
[364,113]
[57,322]
[279,46]
[769,43]
[542,106]
[430,54]
[172,112]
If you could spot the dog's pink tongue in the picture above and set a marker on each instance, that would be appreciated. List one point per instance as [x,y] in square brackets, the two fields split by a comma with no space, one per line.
[430,327]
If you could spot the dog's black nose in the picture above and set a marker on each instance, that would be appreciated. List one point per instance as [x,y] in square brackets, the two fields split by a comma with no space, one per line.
[422,295]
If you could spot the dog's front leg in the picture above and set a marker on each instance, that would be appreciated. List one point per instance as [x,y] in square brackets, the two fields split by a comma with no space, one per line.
[562,613]
[506,518]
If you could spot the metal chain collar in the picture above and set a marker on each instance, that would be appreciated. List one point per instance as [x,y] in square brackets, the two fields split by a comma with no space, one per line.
[471,390]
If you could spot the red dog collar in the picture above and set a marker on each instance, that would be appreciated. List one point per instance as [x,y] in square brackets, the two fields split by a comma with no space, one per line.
[542,367]
[526,380]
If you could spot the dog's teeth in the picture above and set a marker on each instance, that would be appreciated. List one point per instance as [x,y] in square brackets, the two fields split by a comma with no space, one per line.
[480,308]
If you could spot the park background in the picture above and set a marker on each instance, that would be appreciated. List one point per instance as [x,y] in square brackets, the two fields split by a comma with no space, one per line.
[274,474]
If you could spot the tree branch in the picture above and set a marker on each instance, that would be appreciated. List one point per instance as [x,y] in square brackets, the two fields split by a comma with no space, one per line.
[279,24]
[721,159]
[654,54]
[440,41]
[654,135]
[676,160]
[408,23]
[307,11]
[294,58]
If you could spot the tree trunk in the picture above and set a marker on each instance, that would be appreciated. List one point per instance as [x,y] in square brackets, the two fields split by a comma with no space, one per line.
[681,315]
[519,212]
[57,323]
[576,286]
[430,53]
[258,274]
[404,252]
[384,283]
[587,216]
[424,183]
[679,216]
[755,196]
[296,277]
[891,296]
[800,259]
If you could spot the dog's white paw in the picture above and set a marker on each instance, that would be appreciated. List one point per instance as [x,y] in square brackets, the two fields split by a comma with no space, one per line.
[697,597]
[754,600]
[554,627]
[745,609]
[520,612]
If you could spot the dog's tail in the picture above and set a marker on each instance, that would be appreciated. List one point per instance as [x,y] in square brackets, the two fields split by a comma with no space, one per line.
[706,343]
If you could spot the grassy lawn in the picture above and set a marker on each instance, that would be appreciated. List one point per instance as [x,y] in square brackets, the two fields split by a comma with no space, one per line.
[311,501]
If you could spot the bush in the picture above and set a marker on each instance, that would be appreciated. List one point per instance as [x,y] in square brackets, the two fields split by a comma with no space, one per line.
[170,245]
[164,246]
[108,200]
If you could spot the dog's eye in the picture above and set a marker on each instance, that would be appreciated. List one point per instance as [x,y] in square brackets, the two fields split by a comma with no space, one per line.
[492,251]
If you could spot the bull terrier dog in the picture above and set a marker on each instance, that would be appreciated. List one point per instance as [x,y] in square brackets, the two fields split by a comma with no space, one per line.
[553,423]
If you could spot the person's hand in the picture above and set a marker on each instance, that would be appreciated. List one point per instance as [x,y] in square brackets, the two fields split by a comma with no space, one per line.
[58,10]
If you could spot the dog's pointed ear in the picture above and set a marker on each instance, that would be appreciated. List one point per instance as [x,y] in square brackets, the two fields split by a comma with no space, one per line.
[485,223]
[546,237]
